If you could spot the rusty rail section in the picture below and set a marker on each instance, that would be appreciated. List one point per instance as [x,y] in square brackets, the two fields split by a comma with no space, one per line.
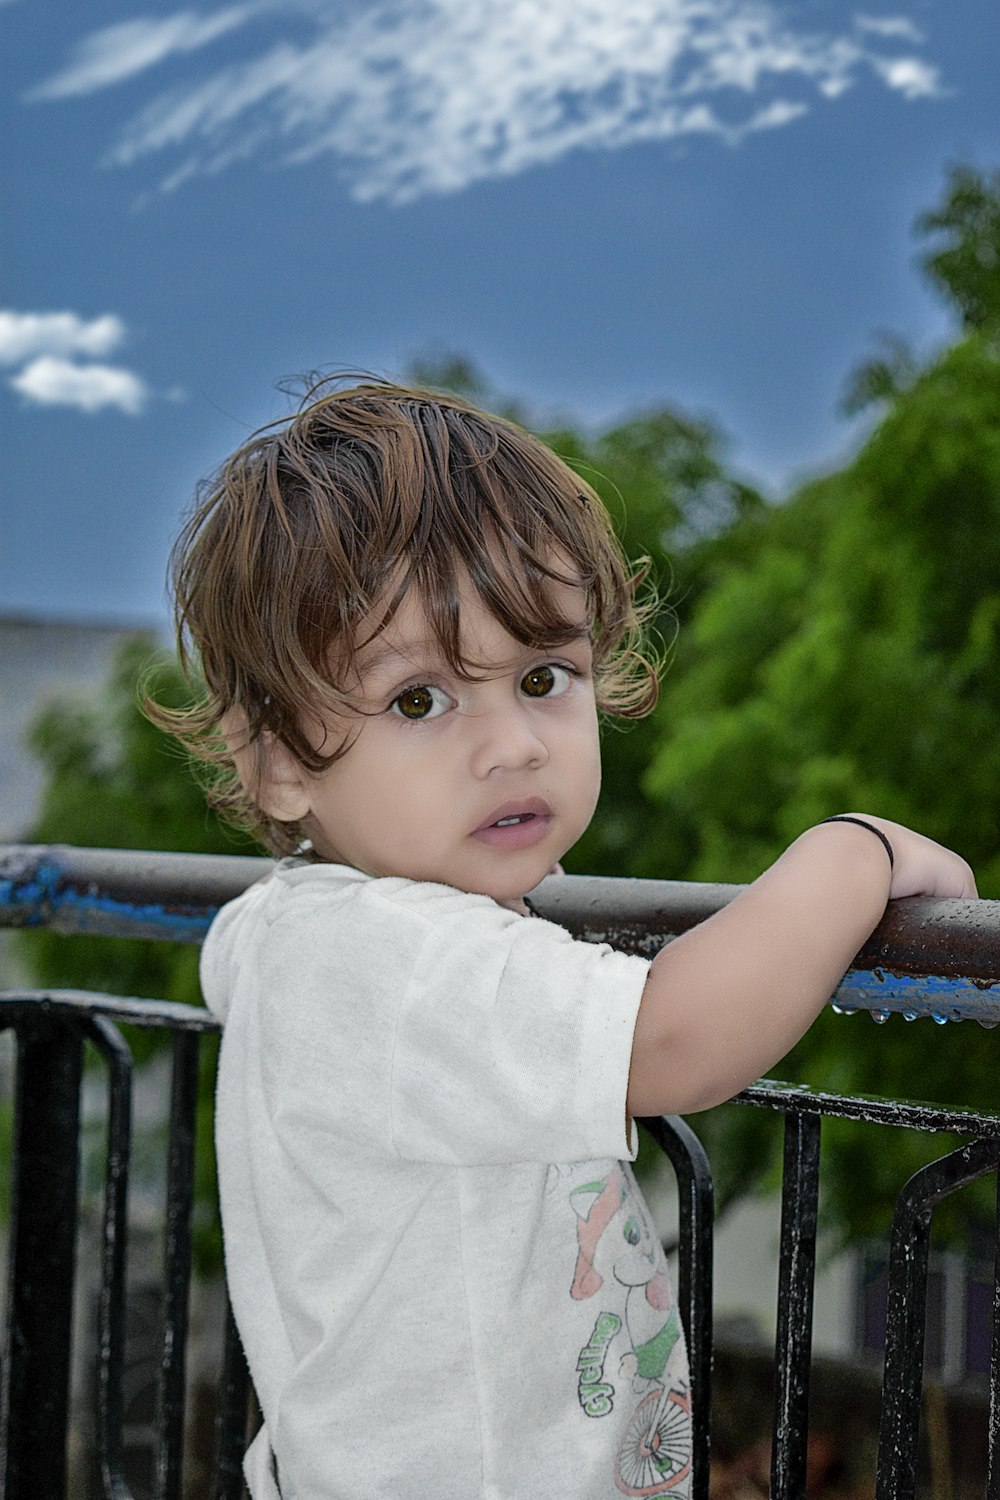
[927,958]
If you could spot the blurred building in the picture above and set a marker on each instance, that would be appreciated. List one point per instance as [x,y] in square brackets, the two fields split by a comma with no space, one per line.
[41,660]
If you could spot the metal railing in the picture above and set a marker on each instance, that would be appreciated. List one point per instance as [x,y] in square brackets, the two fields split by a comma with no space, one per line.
[926,958]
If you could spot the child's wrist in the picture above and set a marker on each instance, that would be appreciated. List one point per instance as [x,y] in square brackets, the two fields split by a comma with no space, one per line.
[870,826]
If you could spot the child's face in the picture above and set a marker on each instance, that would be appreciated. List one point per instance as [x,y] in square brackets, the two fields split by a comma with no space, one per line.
[481,785]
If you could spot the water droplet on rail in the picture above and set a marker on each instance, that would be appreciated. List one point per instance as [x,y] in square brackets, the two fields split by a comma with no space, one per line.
[939,1018]
[880,1017]
[909,1015]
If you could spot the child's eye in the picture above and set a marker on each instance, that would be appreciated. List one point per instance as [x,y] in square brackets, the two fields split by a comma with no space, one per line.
[548,681]
[421,702]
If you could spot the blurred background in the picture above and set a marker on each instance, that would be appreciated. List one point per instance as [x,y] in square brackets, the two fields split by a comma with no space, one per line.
[738,261]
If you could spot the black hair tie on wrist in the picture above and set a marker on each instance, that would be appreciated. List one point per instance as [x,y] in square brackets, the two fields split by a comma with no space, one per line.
[845,818]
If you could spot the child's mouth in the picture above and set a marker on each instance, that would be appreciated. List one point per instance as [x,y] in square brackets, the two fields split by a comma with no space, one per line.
[516,827]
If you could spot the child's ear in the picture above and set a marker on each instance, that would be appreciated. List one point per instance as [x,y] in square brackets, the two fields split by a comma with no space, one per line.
[267,769]
[281,789]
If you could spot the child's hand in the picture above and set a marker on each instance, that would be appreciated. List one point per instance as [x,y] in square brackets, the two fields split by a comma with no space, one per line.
[922,867]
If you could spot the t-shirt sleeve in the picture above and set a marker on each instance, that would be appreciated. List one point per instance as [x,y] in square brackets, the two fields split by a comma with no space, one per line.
[513,1043]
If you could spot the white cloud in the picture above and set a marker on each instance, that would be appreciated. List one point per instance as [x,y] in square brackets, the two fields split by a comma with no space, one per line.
[23,335]
[52,381]
[119,52]
[51,348]
[913,78]
[428,96]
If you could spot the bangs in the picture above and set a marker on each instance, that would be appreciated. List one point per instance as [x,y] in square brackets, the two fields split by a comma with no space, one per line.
[510,523]
[517,589]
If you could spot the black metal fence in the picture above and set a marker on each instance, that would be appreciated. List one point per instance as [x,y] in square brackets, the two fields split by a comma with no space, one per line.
[927,958]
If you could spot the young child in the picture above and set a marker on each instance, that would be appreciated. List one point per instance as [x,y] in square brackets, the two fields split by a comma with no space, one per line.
[409,615]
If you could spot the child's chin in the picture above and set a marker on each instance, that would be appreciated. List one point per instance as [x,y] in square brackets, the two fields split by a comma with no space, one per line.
[504,894]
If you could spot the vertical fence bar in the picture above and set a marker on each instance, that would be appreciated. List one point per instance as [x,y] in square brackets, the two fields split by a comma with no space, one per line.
[177,1265]
[993,1456]
[42,1261]
[111,1368]
[899,1430]
[904,1348]
[797,1269]
[993,1461]
[231,1422]
[696,1211]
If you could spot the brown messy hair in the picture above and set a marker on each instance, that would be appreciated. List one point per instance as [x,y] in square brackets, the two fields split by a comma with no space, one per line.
[302,546]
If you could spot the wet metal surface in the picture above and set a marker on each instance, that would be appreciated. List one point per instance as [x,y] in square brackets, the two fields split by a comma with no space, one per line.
[796,1277]
[907,1299]
[770,1093]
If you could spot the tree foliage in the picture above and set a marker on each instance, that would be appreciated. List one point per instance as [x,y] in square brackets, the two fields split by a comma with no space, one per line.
[965,262]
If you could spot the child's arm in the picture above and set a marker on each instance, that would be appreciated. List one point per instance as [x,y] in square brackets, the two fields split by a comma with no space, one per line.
[726,1000]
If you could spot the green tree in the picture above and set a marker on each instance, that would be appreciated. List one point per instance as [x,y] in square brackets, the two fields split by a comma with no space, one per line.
[850,656]
[965,262]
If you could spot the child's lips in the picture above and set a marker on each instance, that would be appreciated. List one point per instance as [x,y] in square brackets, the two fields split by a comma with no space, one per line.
[515,824]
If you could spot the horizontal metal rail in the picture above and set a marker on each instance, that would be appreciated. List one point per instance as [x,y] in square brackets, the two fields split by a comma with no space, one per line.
[926,958]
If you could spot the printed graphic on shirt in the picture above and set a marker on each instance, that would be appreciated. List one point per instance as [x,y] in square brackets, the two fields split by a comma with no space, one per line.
[635,1352]
[596,1396]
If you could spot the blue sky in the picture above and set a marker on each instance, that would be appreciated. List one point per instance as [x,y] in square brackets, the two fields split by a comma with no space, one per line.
[606,204]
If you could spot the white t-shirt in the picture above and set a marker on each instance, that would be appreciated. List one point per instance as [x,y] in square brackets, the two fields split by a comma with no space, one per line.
[445,1278]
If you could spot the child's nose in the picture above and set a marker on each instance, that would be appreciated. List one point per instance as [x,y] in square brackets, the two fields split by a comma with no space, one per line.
[509,741]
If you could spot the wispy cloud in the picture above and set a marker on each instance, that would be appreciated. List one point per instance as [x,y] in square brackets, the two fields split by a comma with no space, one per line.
[119,52]
[50,347]
[428,96]
[900,27]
